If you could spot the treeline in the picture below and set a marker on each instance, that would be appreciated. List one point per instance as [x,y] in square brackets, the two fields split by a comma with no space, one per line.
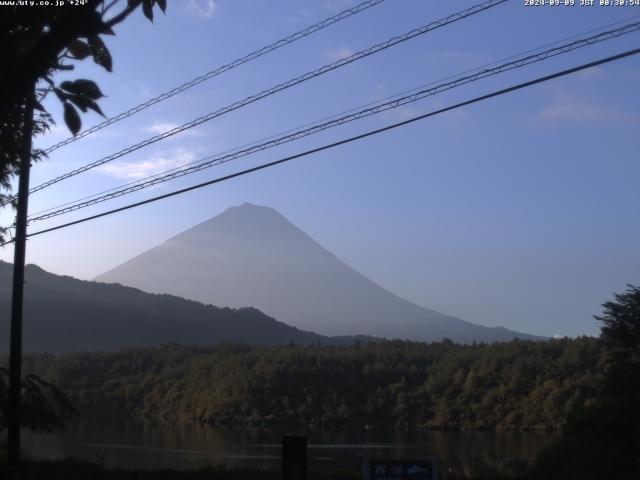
[518,385]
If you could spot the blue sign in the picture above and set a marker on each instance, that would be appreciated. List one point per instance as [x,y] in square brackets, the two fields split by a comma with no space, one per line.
[400,470]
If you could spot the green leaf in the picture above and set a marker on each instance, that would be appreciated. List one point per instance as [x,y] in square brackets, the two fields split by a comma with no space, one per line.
[68,86]
[78,101]
[87,88]
[84,103]
[147,9]
[79,49]
[60,94]
[38,106]
[90,25]
[163,5]
[94,106]
[100,53]
[71,118]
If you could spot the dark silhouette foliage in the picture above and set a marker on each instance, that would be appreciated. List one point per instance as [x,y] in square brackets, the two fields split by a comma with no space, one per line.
[620,335]
[38,41]
[603,436]
[45,407]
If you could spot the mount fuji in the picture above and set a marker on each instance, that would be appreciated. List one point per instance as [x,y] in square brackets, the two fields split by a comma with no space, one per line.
[253,256]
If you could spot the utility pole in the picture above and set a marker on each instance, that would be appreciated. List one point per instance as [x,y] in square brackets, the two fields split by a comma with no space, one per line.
[15,348]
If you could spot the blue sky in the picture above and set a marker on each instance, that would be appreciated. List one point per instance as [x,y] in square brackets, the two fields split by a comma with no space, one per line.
[522,211]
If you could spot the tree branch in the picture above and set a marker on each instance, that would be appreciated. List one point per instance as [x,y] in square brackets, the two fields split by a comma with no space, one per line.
[124,14]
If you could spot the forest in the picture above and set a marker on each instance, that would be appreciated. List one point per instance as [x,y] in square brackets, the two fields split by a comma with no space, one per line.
[585,388]
[518,385]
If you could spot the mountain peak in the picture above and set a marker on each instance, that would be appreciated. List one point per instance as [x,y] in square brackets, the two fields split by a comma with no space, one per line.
[248,205]
[240,225]
[249,209]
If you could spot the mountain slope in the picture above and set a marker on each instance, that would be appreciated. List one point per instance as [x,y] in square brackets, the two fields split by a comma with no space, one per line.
[65,314]
[251,255]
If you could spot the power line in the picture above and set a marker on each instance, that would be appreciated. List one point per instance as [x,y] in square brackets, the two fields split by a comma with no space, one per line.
[219,159]
[282,86]
[353,109]
[347,140]
[222,69]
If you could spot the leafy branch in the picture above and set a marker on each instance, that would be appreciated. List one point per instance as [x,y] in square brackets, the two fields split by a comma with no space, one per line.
[45,407]
[37,43]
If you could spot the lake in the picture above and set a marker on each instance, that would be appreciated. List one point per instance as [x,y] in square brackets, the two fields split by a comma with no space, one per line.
[193,445]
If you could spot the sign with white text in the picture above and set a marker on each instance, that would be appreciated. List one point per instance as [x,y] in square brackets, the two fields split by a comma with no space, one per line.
[400,470]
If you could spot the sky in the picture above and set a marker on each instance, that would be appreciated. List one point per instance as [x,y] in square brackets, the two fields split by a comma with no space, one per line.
[521,211]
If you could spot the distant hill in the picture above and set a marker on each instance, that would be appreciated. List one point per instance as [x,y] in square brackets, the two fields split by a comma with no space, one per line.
[252,255]
[65,314]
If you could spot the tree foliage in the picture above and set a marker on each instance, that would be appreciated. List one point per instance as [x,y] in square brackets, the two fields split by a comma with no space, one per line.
[44,407]
[504,386]
[38,41]
[620,335]
[603,437]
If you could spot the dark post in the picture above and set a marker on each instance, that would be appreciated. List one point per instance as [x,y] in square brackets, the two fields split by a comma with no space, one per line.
[294,458]
[15,347]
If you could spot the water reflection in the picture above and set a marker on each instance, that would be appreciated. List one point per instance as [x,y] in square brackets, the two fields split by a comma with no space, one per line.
[190,446]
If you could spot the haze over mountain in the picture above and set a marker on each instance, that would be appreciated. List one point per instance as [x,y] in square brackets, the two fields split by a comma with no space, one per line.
[253,256]
[64,314]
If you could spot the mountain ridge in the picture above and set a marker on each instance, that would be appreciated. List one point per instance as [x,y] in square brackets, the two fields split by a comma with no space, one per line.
[63,314]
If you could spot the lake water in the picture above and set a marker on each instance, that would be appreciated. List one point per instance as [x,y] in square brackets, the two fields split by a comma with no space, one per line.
[193,446]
